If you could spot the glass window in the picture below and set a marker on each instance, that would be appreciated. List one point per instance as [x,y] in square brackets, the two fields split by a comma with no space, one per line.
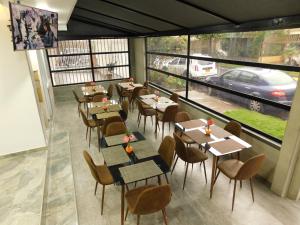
[168,44]
[71,77]
[111,73]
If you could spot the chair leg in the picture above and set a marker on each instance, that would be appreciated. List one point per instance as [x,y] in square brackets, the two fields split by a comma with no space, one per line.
[126,213]
[241,183]
[217,176]
[174,165]
[205,171]
[163,130]
[96,186]
[251,185]
[90,137]
[165,216]
[186,169]
[102,201]
[169,126]
[152,120]
[166,176]
[145,119]
[139,120]
[138,219]
[86,133]
[233,197]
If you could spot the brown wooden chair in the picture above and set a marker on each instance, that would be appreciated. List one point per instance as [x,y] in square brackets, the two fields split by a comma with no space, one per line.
[122,94]
[166,151]
[234,127]
[237,170]
[115,128]
[167,116]
[110,91]
[125,110]
[79,100]
[145,111]
[174,97]
[108,121]
[133,96]
[188,155]
[101,175]
[182,117]
[98,98]
[90,123]
[148,199]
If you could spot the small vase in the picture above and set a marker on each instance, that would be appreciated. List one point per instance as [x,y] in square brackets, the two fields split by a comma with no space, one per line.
[207,131]
[129,149]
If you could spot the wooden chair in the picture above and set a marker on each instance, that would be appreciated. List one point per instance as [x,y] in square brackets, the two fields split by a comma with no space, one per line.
[148,199]
[115,128]
[188,155]
[234,127]
[90,123]
[101,175]
[145,111]
[167,116]
[110,91]
[108,121]
[79,100]
[237,170]
[122,94]
[125,110]
[174,97]
[133,97]
[166,152]
[182,117]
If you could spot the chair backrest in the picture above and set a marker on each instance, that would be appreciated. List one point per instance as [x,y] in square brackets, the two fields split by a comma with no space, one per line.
[153,199]
[76,96]
[115,128]
[169,114]
[143,91]
[234,127]
[140,107]
[108,121]
[135,93]
[174,97]
[181,117]
[125,106]
[84,118]
[166,150]
[98,98]
[180,148]
[119,91]
[251,167]
[91,165]
[110,91]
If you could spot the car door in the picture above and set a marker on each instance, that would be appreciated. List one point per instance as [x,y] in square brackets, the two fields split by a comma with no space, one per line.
[229,80]
[247,82]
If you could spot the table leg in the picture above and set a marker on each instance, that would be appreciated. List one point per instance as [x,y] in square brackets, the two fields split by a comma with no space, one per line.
[213,174]
[122,204]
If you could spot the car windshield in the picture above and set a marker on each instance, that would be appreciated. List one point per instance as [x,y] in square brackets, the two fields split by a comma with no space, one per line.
[277,78]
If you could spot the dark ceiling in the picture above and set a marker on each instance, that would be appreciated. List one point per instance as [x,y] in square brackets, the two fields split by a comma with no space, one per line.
[158,17]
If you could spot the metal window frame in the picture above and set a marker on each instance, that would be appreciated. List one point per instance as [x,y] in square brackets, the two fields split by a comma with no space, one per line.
[187,80]
[91,67]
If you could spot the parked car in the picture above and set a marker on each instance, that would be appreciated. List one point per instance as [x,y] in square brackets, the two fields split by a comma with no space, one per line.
[199,69]
[274,85]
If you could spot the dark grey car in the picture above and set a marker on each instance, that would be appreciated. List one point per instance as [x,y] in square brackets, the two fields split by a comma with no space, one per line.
[269,84]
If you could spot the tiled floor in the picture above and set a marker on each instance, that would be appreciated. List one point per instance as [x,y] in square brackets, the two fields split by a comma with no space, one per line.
[189,207]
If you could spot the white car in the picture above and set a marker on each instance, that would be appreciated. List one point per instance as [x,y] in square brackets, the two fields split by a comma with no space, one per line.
[199,69]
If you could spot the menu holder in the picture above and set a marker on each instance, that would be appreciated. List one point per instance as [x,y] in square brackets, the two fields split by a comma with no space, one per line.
[227,146]
[192,124]
[198,136]
[106,115]
[117,139]
[115,155]
[142,149]
[140,171]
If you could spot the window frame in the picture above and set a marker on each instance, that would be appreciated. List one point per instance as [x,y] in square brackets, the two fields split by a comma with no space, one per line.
[187,79]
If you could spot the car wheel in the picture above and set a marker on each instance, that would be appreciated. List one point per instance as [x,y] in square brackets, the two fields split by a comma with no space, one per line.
[255,106]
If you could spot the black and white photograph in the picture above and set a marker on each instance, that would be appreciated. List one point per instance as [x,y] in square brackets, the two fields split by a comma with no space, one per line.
[33,28]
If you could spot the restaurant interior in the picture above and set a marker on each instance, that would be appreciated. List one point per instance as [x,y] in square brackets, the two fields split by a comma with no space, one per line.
[177,112]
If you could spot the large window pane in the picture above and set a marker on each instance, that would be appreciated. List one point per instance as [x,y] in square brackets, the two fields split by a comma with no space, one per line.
[168,44]
[102,60]
[109,45]
[274,47]
[71,77]
[111,73]
[268,119]
[175,65]
[274,85]
[70,47]
[70,62]
[170,83]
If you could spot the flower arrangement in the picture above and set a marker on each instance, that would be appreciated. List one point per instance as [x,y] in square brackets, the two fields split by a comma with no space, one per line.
[129,137]
[208,124]
[104,99]
[105,108]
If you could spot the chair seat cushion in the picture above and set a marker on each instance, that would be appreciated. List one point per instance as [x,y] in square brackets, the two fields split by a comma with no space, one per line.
[230,167]
[195,155]
[104,175]
[132,195]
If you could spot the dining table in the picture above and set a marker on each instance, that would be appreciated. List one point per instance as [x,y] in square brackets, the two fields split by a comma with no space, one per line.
[127,168]
[158,103]
[129,86]
[89,91]
[219,142]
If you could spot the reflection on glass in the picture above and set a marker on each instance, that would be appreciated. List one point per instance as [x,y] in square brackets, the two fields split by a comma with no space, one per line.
[168,44]
[111,73]
[102,60]
[69,62]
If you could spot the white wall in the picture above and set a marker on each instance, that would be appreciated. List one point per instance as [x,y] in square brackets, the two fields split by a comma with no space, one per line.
[20,125]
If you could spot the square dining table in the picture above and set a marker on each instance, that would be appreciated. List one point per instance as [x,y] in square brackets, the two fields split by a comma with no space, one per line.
[129,86]
[143,163]
[89,91]
[219,143]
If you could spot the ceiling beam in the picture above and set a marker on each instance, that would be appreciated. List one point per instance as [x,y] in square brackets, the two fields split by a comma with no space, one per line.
[102,24]
[207,11]
[143,13]
[116,18]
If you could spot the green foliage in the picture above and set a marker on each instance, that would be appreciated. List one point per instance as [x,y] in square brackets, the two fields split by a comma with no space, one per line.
[171,44]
